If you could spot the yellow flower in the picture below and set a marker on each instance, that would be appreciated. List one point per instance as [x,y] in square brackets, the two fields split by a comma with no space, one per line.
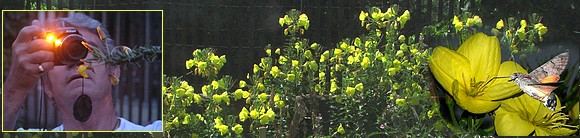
[186,119]
[308,54]
[269,52]
[324,56]
[242,83]
[499,24]
[362,16]
[340,129]
[82,70]
[282,60]
[223,129]
[541,29]
[244,114]
[350,91]
[524,115]
[457,23]
[256,69]
[238,129]
[365,62]
[278,101]
[333,86]
[474,21]
[399,53]
[275,72]
[303,21]
[404,18]
[226,98]
[196,98]
[393,71]
[189,63]
[321,75]
[261,87]
[466,73]
[523,23]
[263,97]
[239,93]
[337,52]
[390,13]
[377,14]
[400,102]
[200,117]
[281,21]
[290,77]
[220,126]
[254,114]
[359,87]
[430,113]
[314,46]
[521,32]
[268,116]
[215,85]
[295,63]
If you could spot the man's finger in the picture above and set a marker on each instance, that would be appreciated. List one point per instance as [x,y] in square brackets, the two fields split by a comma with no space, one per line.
[27,34]
[47,66]
[36,23]
[40,44]
[40,57]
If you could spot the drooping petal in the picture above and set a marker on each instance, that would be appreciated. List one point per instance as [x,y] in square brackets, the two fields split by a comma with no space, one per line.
[448,66]
[501,88]
[561,131]
[484,55]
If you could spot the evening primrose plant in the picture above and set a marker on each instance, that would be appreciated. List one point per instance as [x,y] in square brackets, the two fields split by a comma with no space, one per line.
[370,85]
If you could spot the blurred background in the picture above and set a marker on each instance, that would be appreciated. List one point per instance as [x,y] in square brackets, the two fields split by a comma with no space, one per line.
[136,98]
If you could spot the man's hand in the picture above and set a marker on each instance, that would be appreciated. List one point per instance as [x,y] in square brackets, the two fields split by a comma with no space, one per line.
[30,58]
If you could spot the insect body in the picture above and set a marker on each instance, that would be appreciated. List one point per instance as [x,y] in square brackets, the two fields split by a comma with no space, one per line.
[543,80]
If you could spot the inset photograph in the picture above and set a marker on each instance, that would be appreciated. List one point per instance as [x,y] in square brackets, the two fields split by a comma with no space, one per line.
[82,70]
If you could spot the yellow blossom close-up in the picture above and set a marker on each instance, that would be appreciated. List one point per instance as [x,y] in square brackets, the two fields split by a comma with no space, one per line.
[525,116]
[468,73]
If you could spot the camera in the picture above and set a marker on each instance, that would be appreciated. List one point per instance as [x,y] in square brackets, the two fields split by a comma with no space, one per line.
[68,46]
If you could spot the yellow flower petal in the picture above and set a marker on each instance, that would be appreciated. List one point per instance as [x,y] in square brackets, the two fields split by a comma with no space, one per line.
[523,115]
[505,122]
[501,88]
[484,55]
[448,66]
[82,70]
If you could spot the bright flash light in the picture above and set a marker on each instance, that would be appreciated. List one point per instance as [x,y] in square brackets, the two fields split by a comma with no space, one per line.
[57,42]
[50,37]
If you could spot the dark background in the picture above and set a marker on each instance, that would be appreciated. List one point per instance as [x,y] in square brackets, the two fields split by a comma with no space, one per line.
[241,29]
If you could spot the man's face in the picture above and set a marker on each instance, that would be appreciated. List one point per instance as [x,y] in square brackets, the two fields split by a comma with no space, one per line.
[67,85]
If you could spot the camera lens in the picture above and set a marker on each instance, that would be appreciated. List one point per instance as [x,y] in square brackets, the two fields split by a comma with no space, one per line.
[71,50]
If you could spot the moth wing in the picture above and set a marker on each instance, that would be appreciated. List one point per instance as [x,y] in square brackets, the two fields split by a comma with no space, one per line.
[550,79]
[545,89]
[554,67]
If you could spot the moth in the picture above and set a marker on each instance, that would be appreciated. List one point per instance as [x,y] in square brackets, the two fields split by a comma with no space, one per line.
[540,83]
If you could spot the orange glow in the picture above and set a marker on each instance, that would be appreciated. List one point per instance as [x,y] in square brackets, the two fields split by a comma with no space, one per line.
[50,37]
[57,42]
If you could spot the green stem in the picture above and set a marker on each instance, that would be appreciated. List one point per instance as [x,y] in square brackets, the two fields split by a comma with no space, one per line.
[450,105]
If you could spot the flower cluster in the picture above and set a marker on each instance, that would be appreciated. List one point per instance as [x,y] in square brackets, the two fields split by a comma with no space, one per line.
[206,63]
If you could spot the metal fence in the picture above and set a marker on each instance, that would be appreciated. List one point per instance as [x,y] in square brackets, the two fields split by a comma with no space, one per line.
[137,97]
